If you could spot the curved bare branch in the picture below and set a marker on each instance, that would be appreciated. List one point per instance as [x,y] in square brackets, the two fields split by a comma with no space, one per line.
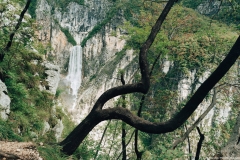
[199,145]
[18,24]
[186,134]
[144,85]
[97,115]
[185,113]
[9,44]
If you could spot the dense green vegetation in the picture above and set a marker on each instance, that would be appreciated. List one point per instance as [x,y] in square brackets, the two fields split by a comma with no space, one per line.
[68,35]
[23,72]
[190,41]
[227,11]
[32,9]
[29,105]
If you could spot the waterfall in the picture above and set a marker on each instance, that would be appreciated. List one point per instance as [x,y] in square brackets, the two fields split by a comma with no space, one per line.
[74,69]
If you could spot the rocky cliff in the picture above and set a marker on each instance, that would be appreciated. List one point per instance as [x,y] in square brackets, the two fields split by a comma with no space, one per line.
[4,101]
[102,58]
[100,61]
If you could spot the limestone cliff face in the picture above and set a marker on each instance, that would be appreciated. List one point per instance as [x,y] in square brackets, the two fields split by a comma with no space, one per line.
[100,62]
[216,117]
[53,77]
[4,101]
[43,16]
[209,7]
[232,148]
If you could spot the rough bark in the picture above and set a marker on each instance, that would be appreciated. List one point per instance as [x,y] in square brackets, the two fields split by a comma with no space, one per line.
[74,139]
[199,145]
[189,145]
[140,153]
[124,147]
[98,114]
[9,44]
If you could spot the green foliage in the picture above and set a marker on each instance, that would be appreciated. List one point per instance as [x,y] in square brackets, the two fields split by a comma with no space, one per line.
[108,68]
[68,35]
[32,9]
[42,49]
[186,36]
[193,43]
[167,153]
[6,132]
[22,73]
[191,4]
[80,2]
[85,151]
[93,77]
[51,152]
[58,92]
[228,13]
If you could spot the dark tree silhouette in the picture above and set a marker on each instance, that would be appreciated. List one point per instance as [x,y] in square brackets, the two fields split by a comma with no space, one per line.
[199,145]
[98,114]
[11,36]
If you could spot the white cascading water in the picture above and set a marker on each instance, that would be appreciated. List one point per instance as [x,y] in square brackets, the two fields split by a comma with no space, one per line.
[75,71]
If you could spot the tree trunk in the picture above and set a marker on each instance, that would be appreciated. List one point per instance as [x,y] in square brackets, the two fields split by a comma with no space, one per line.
[99,114]
[199,145]
[124,150]
[9,44]
[71,143]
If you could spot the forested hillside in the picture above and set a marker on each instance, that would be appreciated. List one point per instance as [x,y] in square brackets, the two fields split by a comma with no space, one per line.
[136,79]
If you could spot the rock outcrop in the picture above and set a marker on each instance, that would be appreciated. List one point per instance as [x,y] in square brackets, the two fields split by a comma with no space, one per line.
[4,101]
[19,150]
[58,128]
[53,76]
[232,149]
[209,7]
[43,16]
[102,60]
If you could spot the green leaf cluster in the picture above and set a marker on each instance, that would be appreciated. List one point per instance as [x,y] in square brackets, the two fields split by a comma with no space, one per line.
[32,9]
[22,72]
[68,35]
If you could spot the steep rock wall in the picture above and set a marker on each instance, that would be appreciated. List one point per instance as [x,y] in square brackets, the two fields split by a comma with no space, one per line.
[100,61]
[4,101]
